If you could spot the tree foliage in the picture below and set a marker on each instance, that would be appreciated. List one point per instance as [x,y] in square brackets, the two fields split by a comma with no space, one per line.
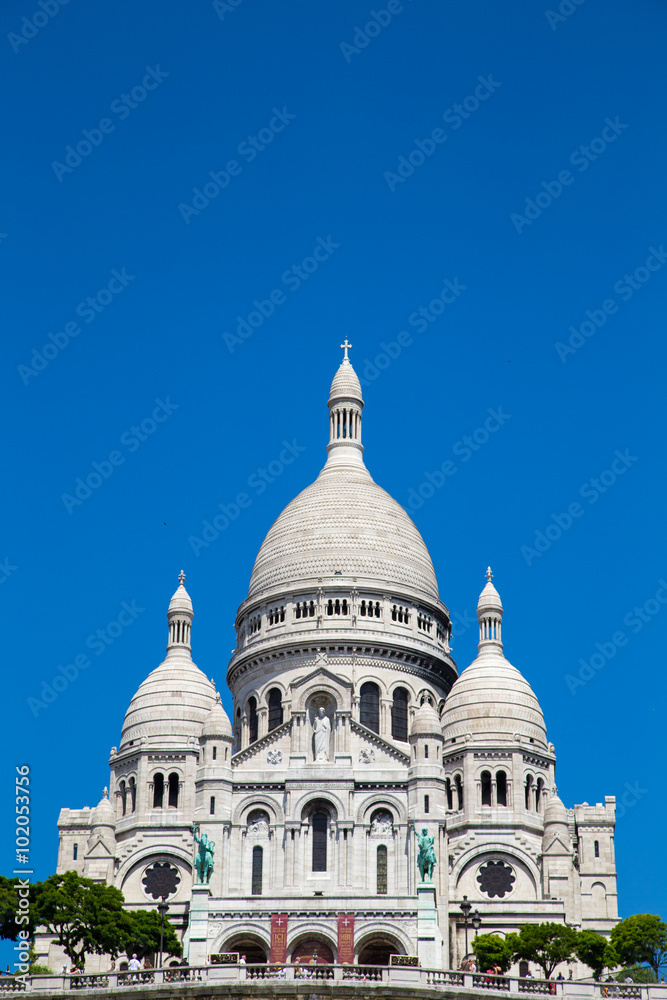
[491,950]
[143,934]
[641,939]
[547,945]
[85,917]
[637,973]
[9,909]
[596,952]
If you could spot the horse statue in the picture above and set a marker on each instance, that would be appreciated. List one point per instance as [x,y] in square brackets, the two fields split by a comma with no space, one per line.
[426,858]
[204,856]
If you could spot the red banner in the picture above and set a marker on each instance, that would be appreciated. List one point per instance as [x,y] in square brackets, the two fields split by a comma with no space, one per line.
[346,938]
[278,937]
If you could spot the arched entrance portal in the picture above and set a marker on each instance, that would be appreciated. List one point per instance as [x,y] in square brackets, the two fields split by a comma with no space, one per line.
[252,947]
[376,950]
[305,951]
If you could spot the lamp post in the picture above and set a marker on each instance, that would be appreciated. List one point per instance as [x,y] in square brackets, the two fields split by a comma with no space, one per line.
[466,907]
[162,909]
[476,921]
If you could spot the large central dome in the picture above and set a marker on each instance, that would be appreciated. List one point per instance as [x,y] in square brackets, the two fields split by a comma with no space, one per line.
[344,524]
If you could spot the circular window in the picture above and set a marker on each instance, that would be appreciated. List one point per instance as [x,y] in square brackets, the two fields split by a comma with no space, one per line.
[496,878]
[161,879]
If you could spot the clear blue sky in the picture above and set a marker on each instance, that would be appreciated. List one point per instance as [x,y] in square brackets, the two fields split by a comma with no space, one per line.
[539,199]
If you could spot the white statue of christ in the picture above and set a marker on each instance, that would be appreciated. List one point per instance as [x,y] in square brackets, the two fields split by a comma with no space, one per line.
[322,731]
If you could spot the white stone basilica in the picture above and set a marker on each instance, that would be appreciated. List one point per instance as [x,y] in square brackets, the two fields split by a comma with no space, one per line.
[350,731]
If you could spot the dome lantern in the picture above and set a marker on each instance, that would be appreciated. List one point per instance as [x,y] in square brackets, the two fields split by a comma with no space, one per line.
[345,406]
[179,616]
[490,616]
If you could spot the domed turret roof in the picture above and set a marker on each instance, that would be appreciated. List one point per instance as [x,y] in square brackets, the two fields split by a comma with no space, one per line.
[217,721]
[345,383]
[170,706]
[103,814]
[426,721]
[491,699]
[555,812]
[180,602]
[344,524]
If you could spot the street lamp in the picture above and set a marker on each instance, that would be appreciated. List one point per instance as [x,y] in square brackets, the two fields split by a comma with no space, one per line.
[162,909]
[476,921]
[466,907]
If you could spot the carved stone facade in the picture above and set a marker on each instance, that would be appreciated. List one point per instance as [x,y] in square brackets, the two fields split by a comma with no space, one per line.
[349,730]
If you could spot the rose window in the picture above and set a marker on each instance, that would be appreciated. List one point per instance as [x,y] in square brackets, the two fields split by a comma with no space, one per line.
[496,878]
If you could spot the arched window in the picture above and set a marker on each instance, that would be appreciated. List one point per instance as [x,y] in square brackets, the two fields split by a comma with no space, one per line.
[319,829]
[253,720]
[399,715]
[427,806]
[538,794]
[382,870]
[486,788]
[75,852]
[529,792]
[275,708]
[450,797]
[133,794]
[173,790]
[501,788]
[459,792]
[257,864]
[369,709]
[596,848]
[212,806]
[215,753]
[123,798]
[158,791]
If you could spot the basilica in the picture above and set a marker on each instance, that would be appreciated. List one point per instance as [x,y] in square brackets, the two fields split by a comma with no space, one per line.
[351,734]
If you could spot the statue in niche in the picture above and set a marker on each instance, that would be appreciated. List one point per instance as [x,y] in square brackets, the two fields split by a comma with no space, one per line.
[321,735]
[426,858]
[204,856]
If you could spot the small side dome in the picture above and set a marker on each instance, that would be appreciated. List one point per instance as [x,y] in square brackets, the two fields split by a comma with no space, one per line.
[217,722]
[103,814]
[426,722]
[489,599]
[555,812]
[346,383]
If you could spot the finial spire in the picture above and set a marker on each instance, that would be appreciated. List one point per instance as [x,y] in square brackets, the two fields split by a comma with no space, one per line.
[181,578]
[105,792]
[346,347]
[489,574]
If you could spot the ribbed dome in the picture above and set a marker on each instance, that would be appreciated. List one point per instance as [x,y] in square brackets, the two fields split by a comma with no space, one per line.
[345,383]
[174,699]
[492,700]
[217,721]
[103,814]
[555,812]
[344,523]
[426,722]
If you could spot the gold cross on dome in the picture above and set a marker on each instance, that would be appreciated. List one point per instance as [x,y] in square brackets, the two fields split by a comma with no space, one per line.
[346,347]
[181,577]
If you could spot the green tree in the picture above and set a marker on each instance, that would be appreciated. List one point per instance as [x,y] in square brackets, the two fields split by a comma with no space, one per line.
[9,909]
[85,917]
[492,950]
[547,945]
[143,934]
[596,952]
[637,973]
[641,939]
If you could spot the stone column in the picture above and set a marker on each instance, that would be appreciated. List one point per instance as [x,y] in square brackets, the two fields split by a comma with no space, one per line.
[226,836]
[263,722]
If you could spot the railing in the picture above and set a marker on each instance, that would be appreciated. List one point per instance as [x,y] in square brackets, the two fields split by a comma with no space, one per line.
[396,977]
[490,982]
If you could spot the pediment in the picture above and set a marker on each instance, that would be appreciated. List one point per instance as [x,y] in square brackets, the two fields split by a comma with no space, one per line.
[383,751]
[98,850]
[318,673]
